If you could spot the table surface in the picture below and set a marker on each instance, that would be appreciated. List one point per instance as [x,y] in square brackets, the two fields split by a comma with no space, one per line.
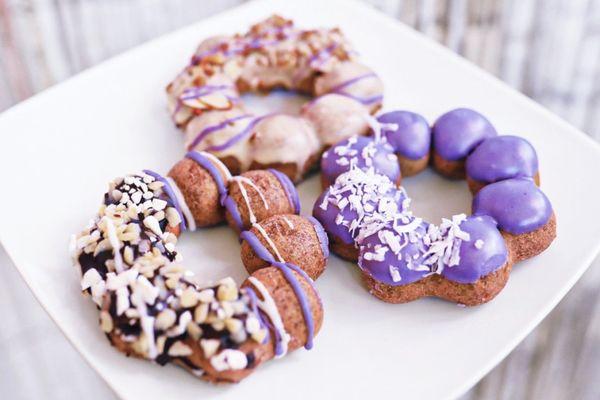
[550,50]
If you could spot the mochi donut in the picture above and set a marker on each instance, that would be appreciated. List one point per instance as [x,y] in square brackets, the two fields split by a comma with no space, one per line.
[204,99]
[151,307]
[286,238]
[455,134]
[499,158]
[523,214]
[410,136]
[464,260]
[336,117]
[256,195]
[354,80]
[356,199]
[362,152]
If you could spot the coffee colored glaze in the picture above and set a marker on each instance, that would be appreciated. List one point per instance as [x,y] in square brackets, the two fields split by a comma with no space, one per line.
[502,157]
[517,205]
[362,152]
[482,254]
[411,135]
[458,132]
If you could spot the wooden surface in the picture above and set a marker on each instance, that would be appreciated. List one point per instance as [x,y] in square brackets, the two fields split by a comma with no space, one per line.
[548,49]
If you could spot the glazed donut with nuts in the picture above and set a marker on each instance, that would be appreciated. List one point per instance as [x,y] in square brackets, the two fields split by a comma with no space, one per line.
[152,307]
[204,99]
[465,259]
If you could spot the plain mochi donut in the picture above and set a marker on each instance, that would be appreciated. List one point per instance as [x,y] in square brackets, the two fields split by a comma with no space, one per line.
[205,98]
[151,307]
[464,259]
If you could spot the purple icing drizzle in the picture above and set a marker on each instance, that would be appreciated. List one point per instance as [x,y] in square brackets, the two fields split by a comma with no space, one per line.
[207,164]
[233,140]
[338,88]
[286,268]
[364,100]
[322,55]
[253,305]
[517,205]
[502,157]
[411,138]
[289,189]
[169,191]
[231,206]
[214,128]
[199,91]
[321,235]
[458,132]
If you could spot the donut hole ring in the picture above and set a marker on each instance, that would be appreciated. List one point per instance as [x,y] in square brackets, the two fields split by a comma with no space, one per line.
[204,99]
[512,220]
[149,305]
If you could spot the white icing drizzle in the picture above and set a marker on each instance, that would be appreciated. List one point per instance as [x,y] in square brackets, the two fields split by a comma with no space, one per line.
[219,164]
[239,180]
[189,217]
[114,242]
[268,306]
[265,235]
[288,222]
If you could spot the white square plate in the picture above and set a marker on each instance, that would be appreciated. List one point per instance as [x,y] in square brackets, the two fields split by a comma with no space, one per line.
[58,150]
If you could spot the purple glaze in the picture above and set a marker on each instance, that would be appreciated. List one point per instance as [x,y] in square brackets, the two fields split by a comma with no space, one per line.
[343,222]
[321,235]
[214,128]
[207,164]
[458,132]
[502,157]
[407,264]
[517,205]
[475,263]
[412,137]
[289,188]
[286,269]
[363,152]
[169,191]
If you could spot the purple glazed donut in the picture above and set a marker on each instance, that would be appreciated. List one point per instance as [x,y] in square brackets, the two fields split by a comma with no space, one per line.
[455,134]
[358,197]
[363,152]
[410,136]
[499,158]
